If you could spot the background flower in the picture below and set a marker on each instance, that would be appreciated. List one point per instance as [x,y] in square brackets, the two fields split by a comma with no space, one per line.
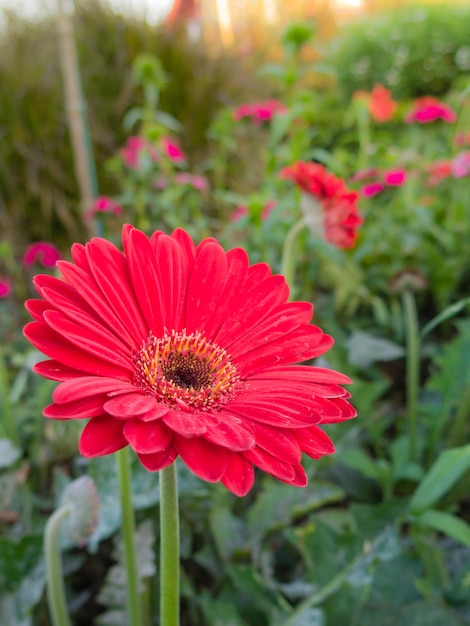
[41,252]
[178,350]
[5,287]
[429,109]
[259,111]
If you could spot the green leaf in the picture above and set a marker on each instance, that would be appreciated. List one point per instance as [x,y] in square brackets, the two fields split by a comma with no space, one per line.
[278,504]
[447,524]
[365,349]
[359,460]
[448,468]
[17,559]
[310,617]
[263,598]
[227,530]
[444,315]
[8,453]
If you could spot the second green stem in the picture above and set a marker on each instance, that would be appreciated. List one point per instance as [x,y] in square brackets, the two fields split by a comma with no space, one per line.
[169,547]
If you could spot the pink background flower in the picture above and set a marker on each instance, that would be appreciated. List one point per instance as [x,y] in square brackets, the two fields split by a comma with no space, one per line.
[429,109]
[5,287]
[41,252]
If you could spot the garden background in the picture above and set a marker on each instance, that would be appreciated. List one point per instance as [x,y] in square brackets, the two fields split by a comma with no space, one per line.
[189,123]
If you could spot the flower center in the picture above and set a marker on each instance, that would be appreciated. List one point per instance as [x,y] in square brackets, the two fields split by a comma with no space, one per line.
[185,371]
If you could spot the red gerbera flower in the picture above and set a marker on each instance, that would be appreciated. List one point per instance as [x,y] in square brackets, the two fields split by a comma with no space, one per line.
[178,350]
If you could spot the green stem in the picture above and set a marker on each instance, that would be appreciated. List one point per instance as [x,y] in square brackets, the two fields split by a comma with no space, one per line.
[288,252]
[8,420]
[55,578]
[412,366]
[128,532]
[169,547]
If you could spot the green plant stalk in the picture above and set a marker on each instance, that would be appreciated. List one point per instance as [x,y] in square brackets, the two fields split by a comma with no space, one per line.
[288,252]
[54,574]
[412,367]
[461,419]
[363,134]
[128,532]
[169,548]
[8,425]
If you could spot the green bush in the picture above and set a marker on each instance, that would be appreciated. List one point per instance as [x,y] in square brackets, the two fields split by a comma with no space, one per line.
[414,50]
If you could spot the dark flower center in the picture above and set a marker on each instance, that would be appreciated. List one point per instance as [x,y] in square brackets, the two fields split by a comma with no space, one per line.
[185,371]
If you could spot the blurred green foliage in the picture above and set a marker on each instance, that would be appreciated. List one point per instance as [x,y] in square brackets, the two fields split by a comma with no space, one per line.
[414,49]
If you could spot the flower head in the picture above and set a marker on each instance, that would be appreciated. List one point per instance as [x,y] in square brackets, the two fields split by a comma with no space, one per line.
[194,180]
[172,150]
[314,179]
[429,109]
[5,287]
[135,147]
[372,189]
[460,165]
[328,205]
[438,171]
[103,204]
[395,178]
[382,107]
[41,252]
[378,102]
[184,350]
[259,111]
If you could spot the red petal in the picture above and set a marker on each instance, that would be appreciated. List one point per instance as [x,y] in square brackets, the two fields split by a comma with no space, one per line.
[205,286]
[347,411]
[147,437]
[55,370]
[306,373]
[254,304]
[305,342]
[281,444]
[314,442]
[55,346]
[156,412]
[237,267]
[268,463]
[205,459]
[102,435]
[279,416]
[145,277]
[300,479]
[173,268]
[85,285]
[185,423]
[158,460]
[36,309]
[129,405]
[229,432]
[110,271]
[186,243]
[239,475]
[88,407]
[85,386]
[90,337]
[283,320]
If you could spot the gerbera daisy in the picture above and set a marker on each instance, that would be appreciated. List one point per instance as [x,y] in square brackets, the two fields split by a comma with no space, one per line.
[178,350]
